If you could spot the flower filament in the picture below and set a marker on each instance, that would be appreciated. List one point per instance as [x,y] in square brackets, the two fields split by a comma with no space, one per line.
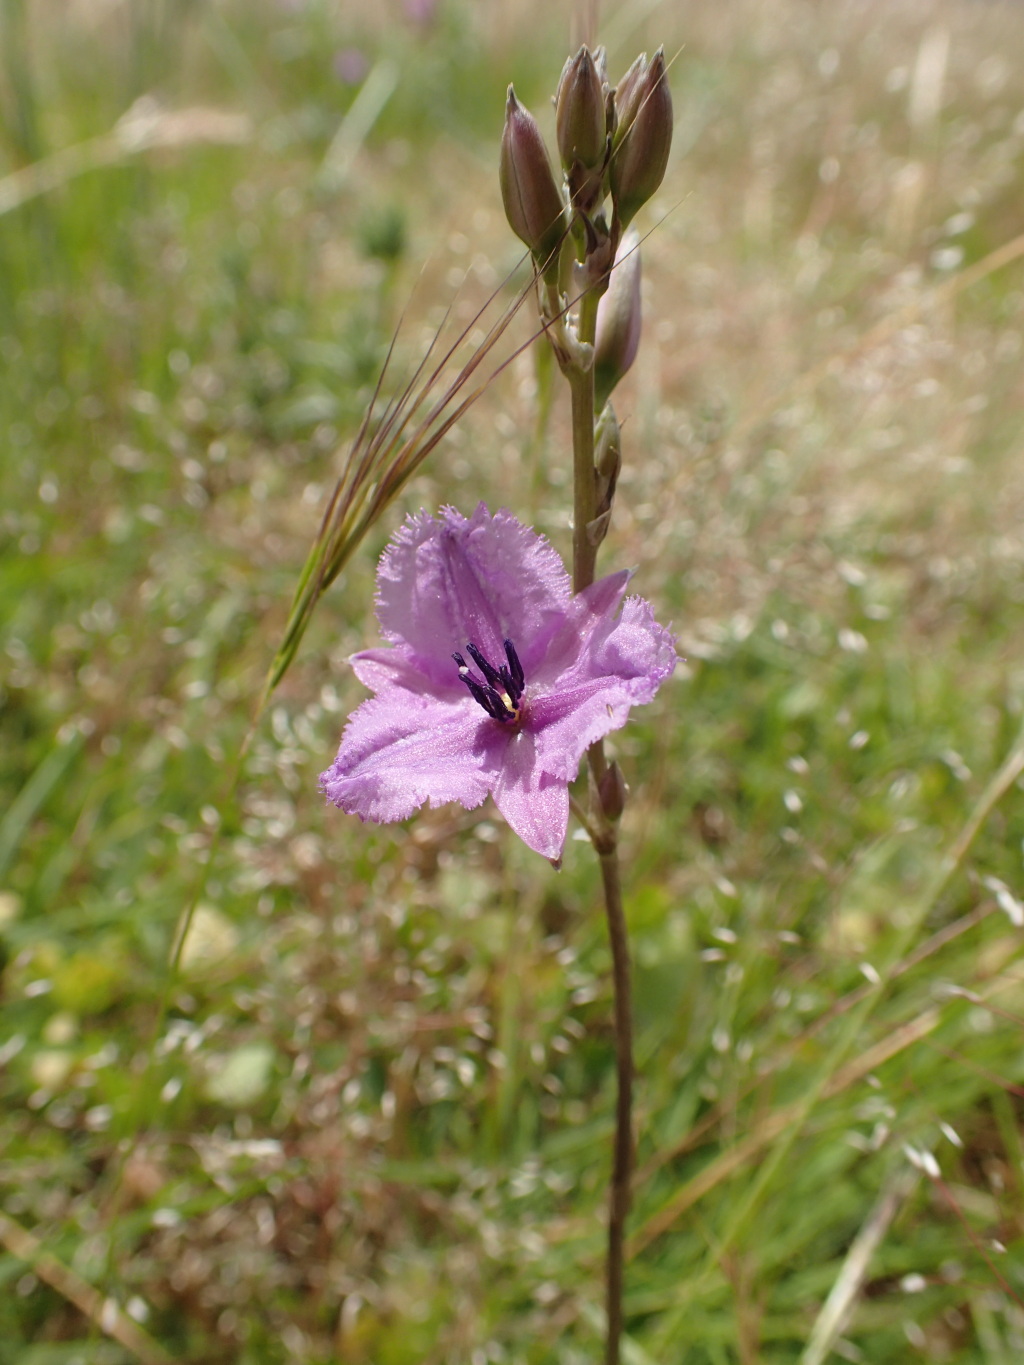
[501,692]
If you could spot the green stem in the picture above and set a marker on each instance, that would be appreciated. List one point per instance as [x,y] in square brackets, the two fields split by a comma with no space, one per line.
[622,1165]
[604,836]
[581,382]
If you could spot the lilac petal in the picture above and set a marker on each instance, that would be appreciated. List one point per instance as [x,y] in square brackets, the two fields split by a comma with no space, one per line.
[534,804]
[444,582]
[591,614]
[381,669]
[623,668]
[565,724]
[638,647]
[395,756]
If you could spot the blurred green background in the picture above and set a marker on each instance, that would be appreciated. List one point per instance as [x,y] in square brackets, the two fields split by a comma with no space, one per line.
[370,1119]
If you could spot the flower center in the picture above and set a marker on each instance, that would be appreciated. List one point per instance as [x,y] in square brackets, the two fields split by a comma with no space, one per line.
[501,692]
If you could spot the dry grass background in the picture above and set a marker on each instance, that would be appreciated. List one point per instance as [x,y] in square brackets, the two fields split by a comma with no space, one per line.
[373,1125]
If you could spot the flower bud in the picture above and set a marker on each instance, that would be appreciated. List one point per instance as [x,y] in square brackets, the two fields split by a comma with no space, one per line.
[612,791]
[607,457]
[533,205]
[580,114]
[626,97]
[618,319]
[643,137]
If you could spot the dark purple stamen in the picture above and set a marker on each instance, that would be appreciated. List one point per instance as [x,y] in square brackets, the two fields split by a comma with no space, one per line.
[518,678]
[503,687]
[492,675]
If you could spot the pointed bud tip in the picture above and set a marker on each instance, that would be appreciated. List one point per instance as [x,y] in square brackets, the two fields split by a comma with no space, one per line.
[643,138]
[580,118]
[533,204]
[613,791]
[619,318]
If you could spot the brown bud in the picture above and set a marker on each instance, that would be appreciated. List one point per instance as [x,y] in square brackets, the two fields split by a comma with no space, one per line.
[607,457]
[580,114]
[612,792]
[643,137]
[533,205]
[627,97]
[618,319]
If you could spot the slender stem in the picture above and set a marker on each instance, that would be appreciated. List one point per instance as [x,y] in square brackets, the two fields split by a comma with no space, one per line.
[622,1165]
[604,834]
[584,554]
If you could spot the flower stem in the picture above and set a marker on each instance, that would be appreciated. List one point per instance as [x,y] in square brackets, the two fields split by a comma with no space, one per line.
[581,382]
[622,1165]
[604,835]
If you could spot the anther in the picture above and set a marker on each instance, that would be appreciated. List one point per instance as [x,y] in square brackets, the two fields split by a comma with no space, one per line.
[502,689]
[515,669]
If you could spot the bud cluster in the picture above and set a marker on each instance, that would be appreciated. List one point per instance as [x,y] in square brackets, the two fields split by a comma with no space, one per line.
[613,145]
[643,135]
[613,142]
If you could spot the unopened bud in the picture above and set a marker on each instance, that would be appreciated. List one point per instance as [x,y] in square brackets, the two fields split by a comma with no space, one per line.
[580,119]
[598,528]
[612,791]
[626,98]
[533,205]
[619,321]
[643,137]
[600,56]
[607,457]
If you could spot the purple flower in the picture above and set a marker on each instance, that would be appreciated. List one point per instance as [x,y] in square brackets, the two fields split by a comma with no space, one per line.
[350,65]
[547,674]
[420,11]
